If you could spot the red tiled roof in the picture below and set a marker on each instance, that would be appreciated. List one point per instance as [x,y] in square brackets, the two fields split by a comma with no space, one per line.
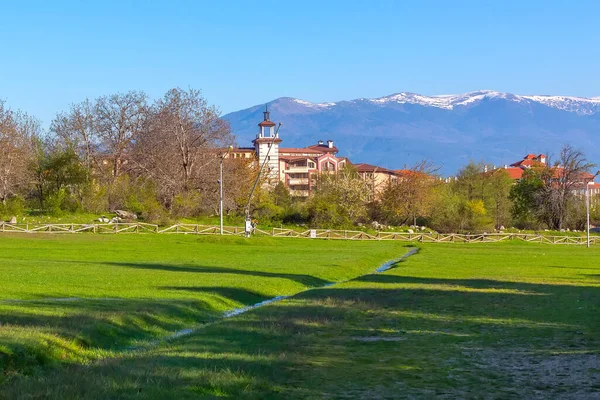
[530,160]
[526,163]
[299,150]
[514,173]
[372,168]
[587,176]
[267,123]
[409,172]
[324,148]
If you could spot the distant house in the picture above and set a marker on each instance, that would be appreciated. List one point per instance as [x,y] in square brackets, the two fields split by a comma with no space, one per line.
[517,169]
[378,178]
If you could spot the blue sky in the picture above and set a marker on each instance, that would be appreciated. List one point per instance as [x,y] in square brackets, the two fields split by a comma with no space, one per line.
[242,53]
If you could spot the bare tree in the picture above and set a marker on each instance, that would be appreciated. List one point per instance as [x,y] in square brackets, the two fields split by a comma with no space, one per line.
[560,181]
[120,120]
[179,148]
[77,129]
[411,196]
[17,131]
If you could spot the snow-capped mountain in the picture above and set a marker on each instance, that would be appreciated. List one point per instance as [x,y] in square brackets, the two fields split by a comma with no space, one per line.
[403,128]
[579,105]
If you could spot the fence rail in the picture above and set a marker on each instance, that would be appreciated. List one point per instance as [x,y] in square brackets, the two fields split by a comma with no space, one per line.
[196,229]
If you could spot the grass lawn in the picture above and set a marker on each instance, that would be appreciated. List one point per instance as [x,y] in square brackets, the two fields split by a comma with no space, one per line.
[76,298]
[504,320]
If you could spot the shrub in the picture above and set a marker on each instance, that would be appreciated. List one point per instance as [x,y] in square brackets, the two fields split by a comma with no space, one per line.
[12,207]
[186,205]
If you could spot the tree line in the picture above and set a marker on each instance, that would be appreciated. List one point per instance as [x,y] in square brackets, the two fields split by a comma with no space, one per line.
[157,159]
[160,159]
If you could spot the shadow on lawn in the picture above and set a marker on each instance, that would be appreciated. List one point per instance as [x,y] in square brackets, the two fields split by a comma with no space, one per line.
[303,279]
[96,324]
[243,296]
[307,347]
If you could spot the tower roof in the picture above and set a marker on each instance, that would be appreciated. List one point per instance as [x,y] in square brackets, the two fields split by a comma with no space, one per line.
[266,122]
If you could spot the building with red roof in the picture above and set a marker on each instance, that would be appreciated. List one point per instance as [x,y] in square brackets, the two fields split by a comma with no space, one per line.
[517,169]
[297,167]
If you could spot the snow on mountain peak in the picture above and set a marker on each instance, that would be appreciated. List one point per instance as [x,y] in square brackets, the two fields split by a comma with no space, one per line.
[313,105]
[579,105]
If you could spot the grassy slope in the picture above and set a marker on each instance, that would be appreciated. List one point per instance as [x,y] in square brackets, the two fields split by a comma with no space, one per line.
[130,289]
[454,321]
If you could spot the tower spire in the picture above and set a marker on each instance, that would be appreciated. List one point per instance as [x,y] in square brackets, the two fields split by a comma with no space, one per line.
[266,113]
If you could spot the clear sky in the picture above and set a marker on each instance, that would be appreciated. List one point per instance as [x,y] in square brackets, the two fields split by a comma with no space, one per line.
[242,53]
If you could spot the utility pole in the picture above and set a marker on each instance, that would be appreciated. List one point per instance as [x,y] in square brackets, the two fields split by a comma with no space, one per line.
[587,206]
[221,189]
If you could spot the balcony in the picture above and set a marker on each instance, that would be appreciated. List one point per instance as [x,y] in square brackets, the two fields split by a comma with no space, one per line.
[299,193]
[293,170]
[297,181]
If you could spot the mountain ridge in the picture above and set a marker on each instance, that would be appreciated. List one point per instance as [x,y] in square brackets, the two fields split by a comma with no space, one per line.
[403,128]
[449,101]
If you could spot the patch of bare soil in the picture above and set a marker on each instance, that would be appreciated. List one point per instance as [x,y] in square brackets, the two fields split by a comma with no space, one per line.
[545,375]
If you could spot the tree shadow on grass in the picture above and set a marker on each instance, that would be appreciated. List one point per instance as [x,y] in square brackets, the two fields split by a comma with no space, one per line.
[105,325]
[327,343]
[303,279]
[246,297]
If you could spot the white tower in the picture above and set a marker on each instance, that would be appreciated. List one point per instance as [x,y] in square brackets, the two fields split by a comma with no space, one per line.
[266,145]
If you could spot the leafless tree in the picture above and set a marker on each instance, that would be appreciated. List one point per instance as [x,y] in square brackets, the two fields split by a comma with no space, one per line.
[179,148]
[560,182]
[17,132]
[412,194]
[120,120]
[77,128]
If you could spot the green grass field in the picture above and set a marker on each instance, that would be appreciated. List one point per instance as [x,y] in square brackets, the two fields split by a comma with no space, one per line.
[78,298]
[504,320]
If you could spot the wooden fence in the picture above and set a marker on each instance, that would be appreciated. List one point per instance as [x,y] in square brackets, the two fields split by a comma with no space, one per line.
[195,229]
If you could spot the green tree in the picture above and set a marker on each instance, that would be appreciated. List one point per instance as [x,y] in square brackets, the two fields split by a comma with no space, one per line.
[340,199]
[61,178]
[281,196]
[498,185]
[476,200]
[524,195]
